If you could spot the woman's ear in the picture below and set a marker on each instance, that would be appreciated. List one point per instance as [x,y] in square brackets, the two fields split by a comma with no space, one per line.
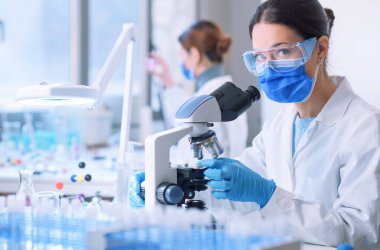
[322,48]
[195,55]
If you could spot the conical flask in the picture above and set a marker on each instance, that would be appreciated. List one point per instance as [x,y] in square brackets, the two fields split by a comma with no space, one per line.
[25,192]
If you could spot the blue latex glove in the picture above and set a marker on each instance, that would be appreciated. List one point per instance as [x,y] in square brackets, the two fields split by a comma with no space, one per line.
[135,200]
[230,179]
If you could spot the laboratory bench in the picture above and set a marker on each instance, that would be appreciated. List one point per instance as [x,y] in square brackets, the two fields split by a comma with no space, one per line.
[103,179]
[68,177]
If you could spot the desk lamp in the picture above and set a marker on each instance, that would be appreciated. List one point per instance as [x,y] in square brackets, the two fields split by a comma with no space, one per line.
[91,96]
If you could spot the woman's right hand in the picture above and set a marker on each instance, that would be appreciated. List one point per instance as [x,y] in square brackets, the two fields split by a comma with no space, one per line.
[158,67]
[134,188]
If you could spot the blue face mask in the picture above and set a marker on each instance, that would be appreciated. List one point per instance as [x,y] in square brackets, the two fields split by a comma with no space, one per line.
[186,72]
[284,79]
[287,87]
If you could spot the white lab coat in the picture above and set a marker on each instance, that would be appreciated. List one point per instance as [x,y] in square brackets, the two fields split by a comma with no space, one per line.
[328,192]
[232,135]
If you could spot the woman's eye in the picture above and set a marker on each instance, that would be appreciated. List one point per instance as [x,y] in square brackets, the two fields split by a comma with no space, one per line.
[283,52]
[260,58]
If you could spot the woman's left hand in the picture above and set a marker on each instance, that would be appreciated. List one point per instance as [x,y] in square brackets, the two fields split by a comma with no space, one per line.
[230,179]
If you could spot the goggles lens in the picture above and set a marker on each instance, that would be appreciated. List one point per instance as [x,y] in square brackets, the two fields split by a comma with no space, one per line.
[283,58]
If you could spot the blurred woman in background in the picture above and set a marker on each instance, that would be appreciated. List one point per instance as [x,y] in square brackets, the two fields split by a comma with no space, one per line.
[203,46]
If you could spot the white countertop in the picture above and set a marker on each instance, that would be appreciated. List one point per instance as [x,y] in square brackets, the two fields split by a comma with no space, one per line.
[100,164]
[100,181]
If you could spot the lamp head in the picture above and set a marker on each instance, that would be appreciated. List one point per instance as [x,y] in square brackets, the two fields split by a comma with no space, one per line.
[58,95]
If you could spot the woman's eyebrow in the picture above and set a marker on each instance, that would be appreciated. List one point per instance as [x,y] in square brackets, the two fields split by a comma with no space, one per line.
[273,46]
[278,44]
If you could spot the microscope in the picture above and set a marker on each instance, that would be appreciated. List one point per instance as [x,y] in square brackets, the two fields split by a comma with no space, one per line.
[175,185]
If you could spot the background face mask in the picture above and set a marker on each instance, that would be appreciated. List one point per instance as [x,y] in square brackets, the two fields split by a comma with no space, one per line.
[186,72]
[287,87]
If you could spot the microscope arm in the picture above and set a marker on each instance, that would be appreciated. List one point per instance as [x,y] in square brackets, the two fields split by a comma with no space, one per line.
[224,104]
[157,161]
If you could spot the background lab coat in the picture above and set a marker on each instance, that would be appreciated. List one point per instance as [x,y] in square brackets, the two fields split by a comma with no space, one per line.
[232,135]
[328,192]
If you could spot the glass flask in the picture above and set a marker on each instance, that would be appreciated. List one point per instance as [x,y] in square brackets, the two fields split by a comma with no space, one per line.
[25,192]
[48,198]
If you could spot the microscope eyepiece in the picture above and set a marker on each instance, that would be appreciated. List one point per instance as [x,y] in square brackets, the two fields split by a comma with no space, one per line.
[253,92]
[233,101]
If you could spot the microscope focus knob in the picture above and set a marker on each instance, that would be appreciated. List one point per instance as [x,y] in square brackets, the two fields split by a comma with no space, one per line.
[169,193]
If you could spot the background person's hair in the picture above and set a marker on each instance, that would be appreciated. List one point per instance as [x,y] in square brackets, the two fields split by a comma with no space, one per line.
[208,38]
[307,17]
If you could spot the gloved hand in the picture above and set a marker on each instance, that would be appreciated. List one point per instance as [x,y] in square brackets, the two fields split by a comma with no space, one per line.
[135,200]
[230,179]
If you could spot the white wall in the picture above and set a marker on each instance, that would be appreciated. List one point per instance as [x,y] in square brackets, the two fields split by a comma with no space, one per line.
[354,49]
[355,45]
[234,20]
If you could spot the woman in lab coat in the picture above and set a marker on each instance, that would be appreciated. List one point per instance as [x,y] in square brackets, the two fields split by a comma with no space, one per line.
[316,164]
[203,46]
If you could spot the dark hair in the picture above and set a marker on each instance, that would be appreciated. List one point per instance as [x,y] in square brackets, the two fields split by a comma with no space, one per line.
[208,38]
[307,17]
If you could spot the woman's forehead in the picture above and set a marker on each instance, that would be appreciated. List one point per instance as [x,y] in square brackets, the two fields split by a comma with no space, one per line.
[266,36]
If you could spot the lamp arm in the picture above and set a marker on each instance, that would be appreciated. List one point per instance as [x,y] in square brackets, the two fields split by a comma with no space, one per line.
[125,40]
[123,170]
[127,105]
[102,79]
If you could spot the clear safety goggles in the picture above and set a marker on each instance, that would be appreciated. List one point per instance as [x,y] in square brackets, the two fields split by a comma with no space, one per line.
[282,58]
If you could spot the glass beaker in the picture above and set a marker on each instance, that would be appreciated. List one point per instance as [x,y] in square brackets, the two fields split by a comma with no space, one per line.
[49,198]
[25,192]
